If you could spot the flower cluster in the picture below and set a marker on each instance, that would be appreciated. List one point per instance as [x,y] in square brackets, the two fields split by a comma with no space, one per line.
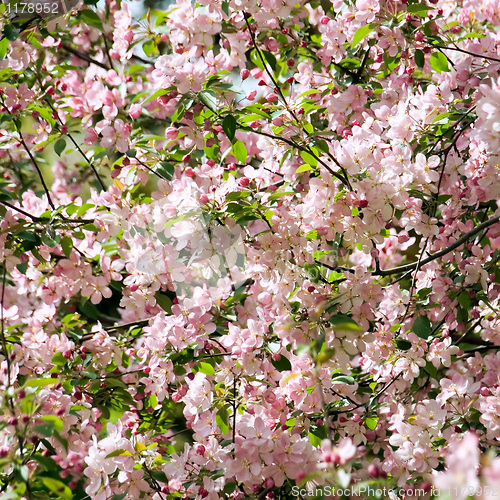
[248,247]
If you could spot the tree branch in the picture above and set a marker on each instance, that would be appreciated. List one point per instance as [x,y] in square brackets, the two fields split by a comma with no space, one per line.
[466,52]
[84,57]
[444,251]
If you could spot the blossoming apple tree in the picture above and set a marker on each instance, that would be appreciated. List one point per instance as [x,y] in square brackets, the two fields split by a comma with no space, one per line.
[247,246]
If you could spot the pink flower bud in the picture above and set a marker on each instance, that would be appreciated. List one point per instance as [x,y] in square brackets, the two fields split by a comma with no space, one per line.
[135,111]
[244,73]
[374,471]
[485,392]
[269,483]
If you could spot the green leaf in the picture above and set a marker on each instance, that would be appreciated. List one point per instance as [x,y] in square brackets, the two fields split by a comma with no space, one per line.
[118,453]
[206,368]
[229,487]
[67,246]
[58,359]
[439,62]
[303,168]
[222,419]
[209,99]
[361,33]
[402,344]
[344,323]
[472,35]
[158,93]
[308,158]
[419,58]
[10,32]
[56,422]
[271,60]
[149,47]
[418,9]
[164,302]
[81,210]
[62,440]
[422,327]
[314,440]
[90,227]
[4,43]
[58,487]
[431,369]
[283,364]
[371,423]
[41,382]
[240,151]
[159,475]
[121,496]
[343,379]
[238,298]
[23,267]
[91,18]
[59,147]
[464,299]
[45,430]
[236,195]
[229,125]
[166,169]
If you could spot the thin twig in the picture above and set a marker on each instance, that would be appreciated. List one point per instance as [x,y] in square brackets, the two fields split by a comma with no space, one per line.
[306,150]
[77,146]
[37,168]
[84,57]
[444,251]
[41,220]
[466,52]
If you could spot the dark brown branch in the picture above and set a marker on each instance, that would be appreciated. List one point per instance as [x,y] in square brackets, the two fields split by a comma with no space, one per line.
[306,150]
[37,168]
[84,57]
[77,146]
[444,251]
[264,63]
[466,52]
[42,220]
[335,268]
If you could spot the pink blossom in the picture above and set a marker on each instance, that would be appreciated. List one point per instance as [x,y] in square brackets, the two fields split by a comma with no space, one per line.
[116,135]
